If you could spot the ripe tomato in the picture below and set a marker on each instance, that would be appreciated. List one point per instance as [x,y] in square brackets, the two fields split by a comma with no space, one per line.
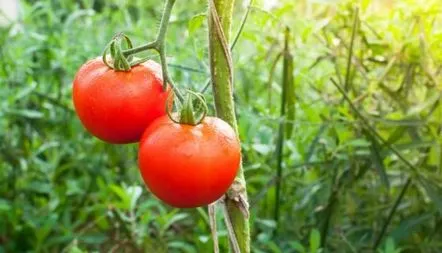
[189,166]
[118,106]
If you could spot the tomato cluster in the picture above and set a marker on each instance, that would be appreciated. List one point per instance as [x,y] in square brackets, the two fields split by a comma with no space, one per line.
[184,165]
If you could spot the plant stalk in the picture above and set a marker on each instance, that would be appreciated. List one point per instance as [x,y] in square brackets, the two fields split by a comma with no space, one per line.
[159,45]
[391,214]
[135,50]
[165,21]
[287,72]
[220,19]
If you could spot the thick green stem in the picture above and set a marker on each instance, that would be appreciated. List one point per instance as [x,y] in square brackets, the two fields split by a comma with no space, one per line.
[221,74]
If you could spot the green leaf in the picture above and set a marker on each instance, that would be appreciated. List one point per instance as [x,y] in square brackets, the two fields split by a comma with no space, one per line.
[79,14]
[274,248]
[433,190]
[124,197]
[396,135]
[4,205]
[73,187]
[174,219]
[314,143]
[134,192]
[390,247]
[315,240]
[31,114]
[93,238]
[415,145]
[39,186]
[75,249]
[297,246]
[377,160]
[25,91]
[182,246]
[263,149]
[266,223]
[409,226]
[195,23]
[203,214]
[358,143]
[422,106]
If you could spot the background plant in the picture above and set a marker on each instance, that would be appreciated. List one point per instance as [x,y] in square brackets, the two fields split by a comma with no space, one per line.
[341,173]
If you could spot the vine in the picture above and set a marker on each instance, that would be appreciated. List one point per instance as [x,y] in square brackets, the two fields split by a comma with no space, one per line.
[122,60]
[235,203]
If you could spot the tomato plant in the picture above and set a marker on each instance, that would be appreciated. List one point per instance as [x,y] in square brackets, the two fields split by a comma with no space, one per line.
[117,106]
[189,165]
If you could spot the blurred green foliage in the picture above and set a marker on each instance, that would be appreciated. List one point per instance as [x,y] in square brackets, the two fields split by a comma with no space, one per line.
[349,171]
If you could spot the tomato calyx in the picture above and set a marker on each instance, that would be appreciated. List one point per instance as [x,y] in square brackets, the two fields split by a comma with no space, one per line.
[119,61]
[192,112]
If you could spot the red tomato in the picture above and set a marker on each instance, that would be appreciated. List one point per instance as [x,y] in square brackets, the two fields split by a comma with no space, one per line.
[189,166]
[118,106]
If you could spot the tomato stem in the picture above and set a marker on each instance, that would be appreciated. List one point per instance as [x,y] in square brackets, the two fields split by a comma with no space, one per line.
[161,35]
[187,116]
[119,62]
[188,113]
[159,45]
[135,50]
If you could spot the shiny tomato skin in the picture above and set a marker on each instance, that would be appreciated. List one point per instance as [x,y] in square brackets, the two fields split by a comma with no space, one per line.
[117,106]
[189,166]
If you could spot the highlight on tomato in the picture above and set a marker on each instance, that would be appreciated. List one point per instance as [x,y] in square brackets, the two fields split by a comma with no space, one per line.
[188,164]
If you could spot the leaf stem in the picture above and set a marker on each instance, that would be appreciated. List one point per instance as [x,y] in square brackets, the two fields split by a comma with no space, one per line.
[241,27]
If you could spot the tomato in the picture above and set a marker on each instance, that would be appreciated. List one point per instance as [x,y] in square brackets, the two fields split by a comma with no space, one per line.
[118,106]
[189,166]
